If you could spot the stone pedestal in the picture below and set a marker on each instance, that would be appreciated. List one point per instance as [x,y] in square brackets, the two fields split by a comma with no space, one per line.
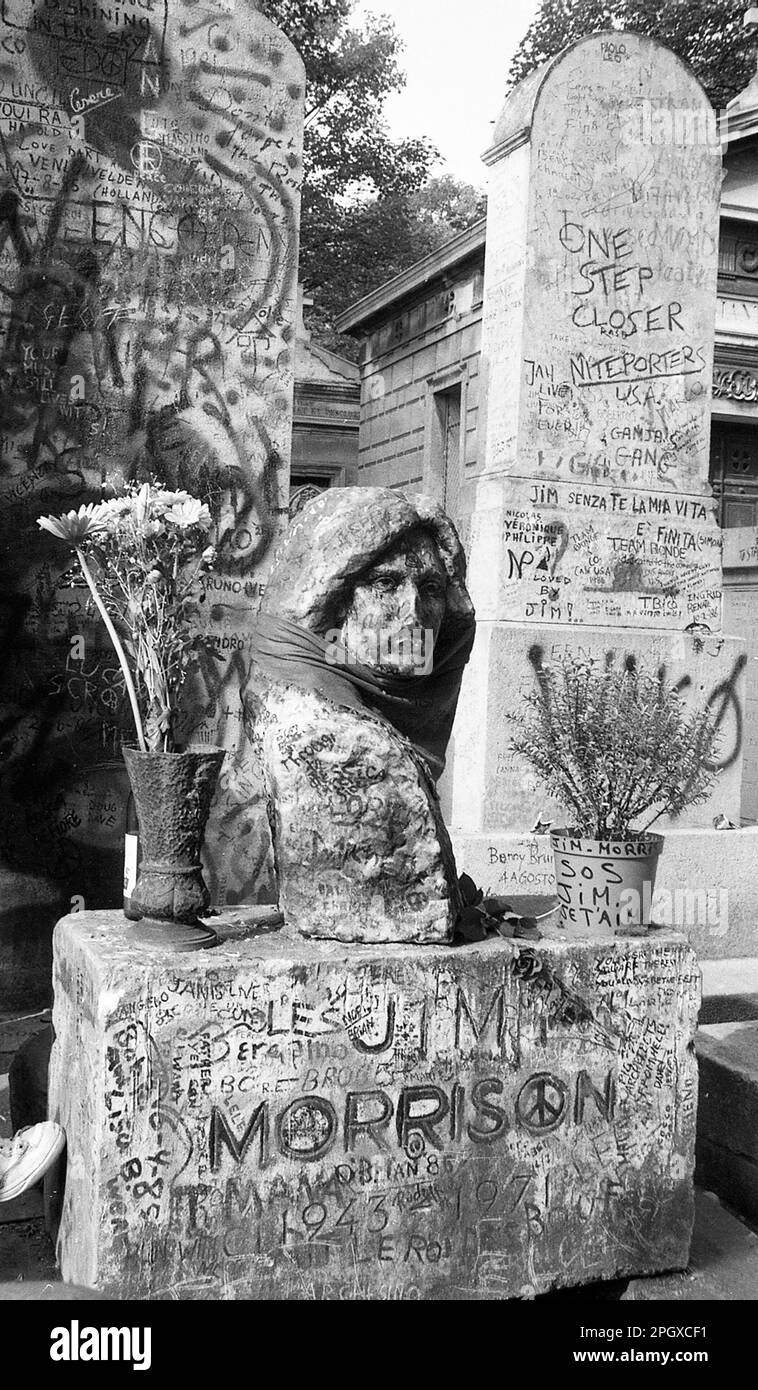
[294,1120]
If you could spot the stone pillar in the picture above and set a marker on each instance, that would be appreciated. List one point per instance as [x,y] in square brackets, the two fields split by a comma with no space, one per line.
[589,522]
[295,1120]
[149,215]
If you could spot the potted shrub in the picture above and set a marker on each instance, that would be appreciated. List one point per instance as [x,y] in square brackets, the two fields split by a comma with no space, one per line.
[616,745]
[141,554]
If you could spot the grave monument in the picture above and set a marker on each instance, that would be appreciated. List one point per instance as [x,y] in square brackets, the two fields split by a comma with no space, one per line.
[299,1119]
[589,521]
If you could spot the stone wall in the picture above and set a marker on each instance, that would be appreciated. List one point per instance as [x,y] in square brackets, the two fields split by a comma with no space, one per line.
[490,786]
[589,521]
[704,886]
[602,254]
[404,361]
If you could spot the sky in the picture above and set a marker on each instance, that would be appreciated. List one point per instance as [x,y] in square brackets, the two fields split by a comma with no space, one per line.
[456,59]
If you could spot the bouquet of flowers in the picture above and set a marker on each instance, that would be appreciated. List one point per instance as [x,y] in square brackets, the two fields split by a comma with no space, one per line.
[141,554]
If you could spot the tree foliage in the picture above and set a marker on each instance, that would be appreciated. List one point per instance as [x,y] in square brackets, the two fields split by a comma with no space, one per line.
[349,74]
[708,34]
[445,206]
[355,223]
[378,238]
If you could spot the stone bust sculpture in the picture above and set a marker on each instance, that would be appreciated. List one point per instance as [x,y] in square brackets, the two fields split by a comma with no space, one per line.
[361,642]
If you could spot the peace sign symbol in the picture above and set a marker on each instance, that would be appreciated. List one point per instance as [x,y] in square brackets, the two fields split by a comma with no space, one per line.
[414,1145]
[147,158]
[541,1102]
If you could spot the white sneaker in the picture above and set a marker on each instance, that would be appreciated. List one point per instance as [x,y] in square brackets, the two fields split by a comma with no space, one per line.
[27,1156]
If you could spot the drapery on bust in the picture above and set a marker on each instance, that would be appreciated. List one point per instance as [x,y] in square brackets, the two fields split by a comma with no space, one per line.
[361,642]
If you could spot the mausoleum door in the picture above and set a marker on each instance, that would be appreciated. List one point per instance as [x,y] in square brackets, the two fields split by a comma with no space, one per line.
[734,473]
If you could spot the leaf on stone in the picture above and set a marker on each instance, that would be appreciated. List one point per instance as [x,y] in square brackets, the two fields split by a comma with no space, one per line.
[470,894]
[470,926]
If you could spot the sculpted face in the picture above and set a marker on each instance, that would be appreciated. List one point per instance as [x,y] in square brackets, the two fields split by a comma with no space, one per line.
[397,608]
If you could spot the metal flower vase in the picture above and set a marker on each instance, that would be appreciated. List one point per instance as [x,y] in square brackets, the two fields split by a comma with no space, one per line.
[172,794]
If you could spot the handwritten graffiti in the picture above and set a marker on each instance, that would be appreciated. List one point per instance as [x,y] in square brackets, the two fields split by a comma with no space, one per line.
[247,1143]
[427,1118]
[148,222]
[541,1103]
[725,701]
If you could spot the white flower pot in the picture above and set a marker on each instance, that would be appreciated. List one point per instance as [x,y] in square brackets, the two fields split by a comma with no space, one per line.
[605,886]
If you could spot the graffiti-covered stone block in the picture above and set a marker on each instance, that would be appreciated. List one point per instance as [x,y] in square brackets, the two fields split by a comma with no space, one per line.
[295,1120]
[586,554]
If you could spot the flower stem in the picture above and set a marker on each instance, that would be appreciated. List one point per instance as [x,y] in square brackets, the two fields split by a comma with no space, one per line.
[115,639]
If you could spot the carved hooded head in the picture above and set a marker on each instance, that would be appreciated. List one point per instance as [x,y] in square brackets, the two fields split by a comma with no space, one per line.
[340,536]
[357,557]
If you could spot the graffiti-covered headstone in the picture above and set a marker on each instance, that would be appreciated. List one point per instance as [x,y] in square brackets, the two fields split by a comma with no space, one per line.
[602,254]
[149,213]
[301,1122]
[589,519]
